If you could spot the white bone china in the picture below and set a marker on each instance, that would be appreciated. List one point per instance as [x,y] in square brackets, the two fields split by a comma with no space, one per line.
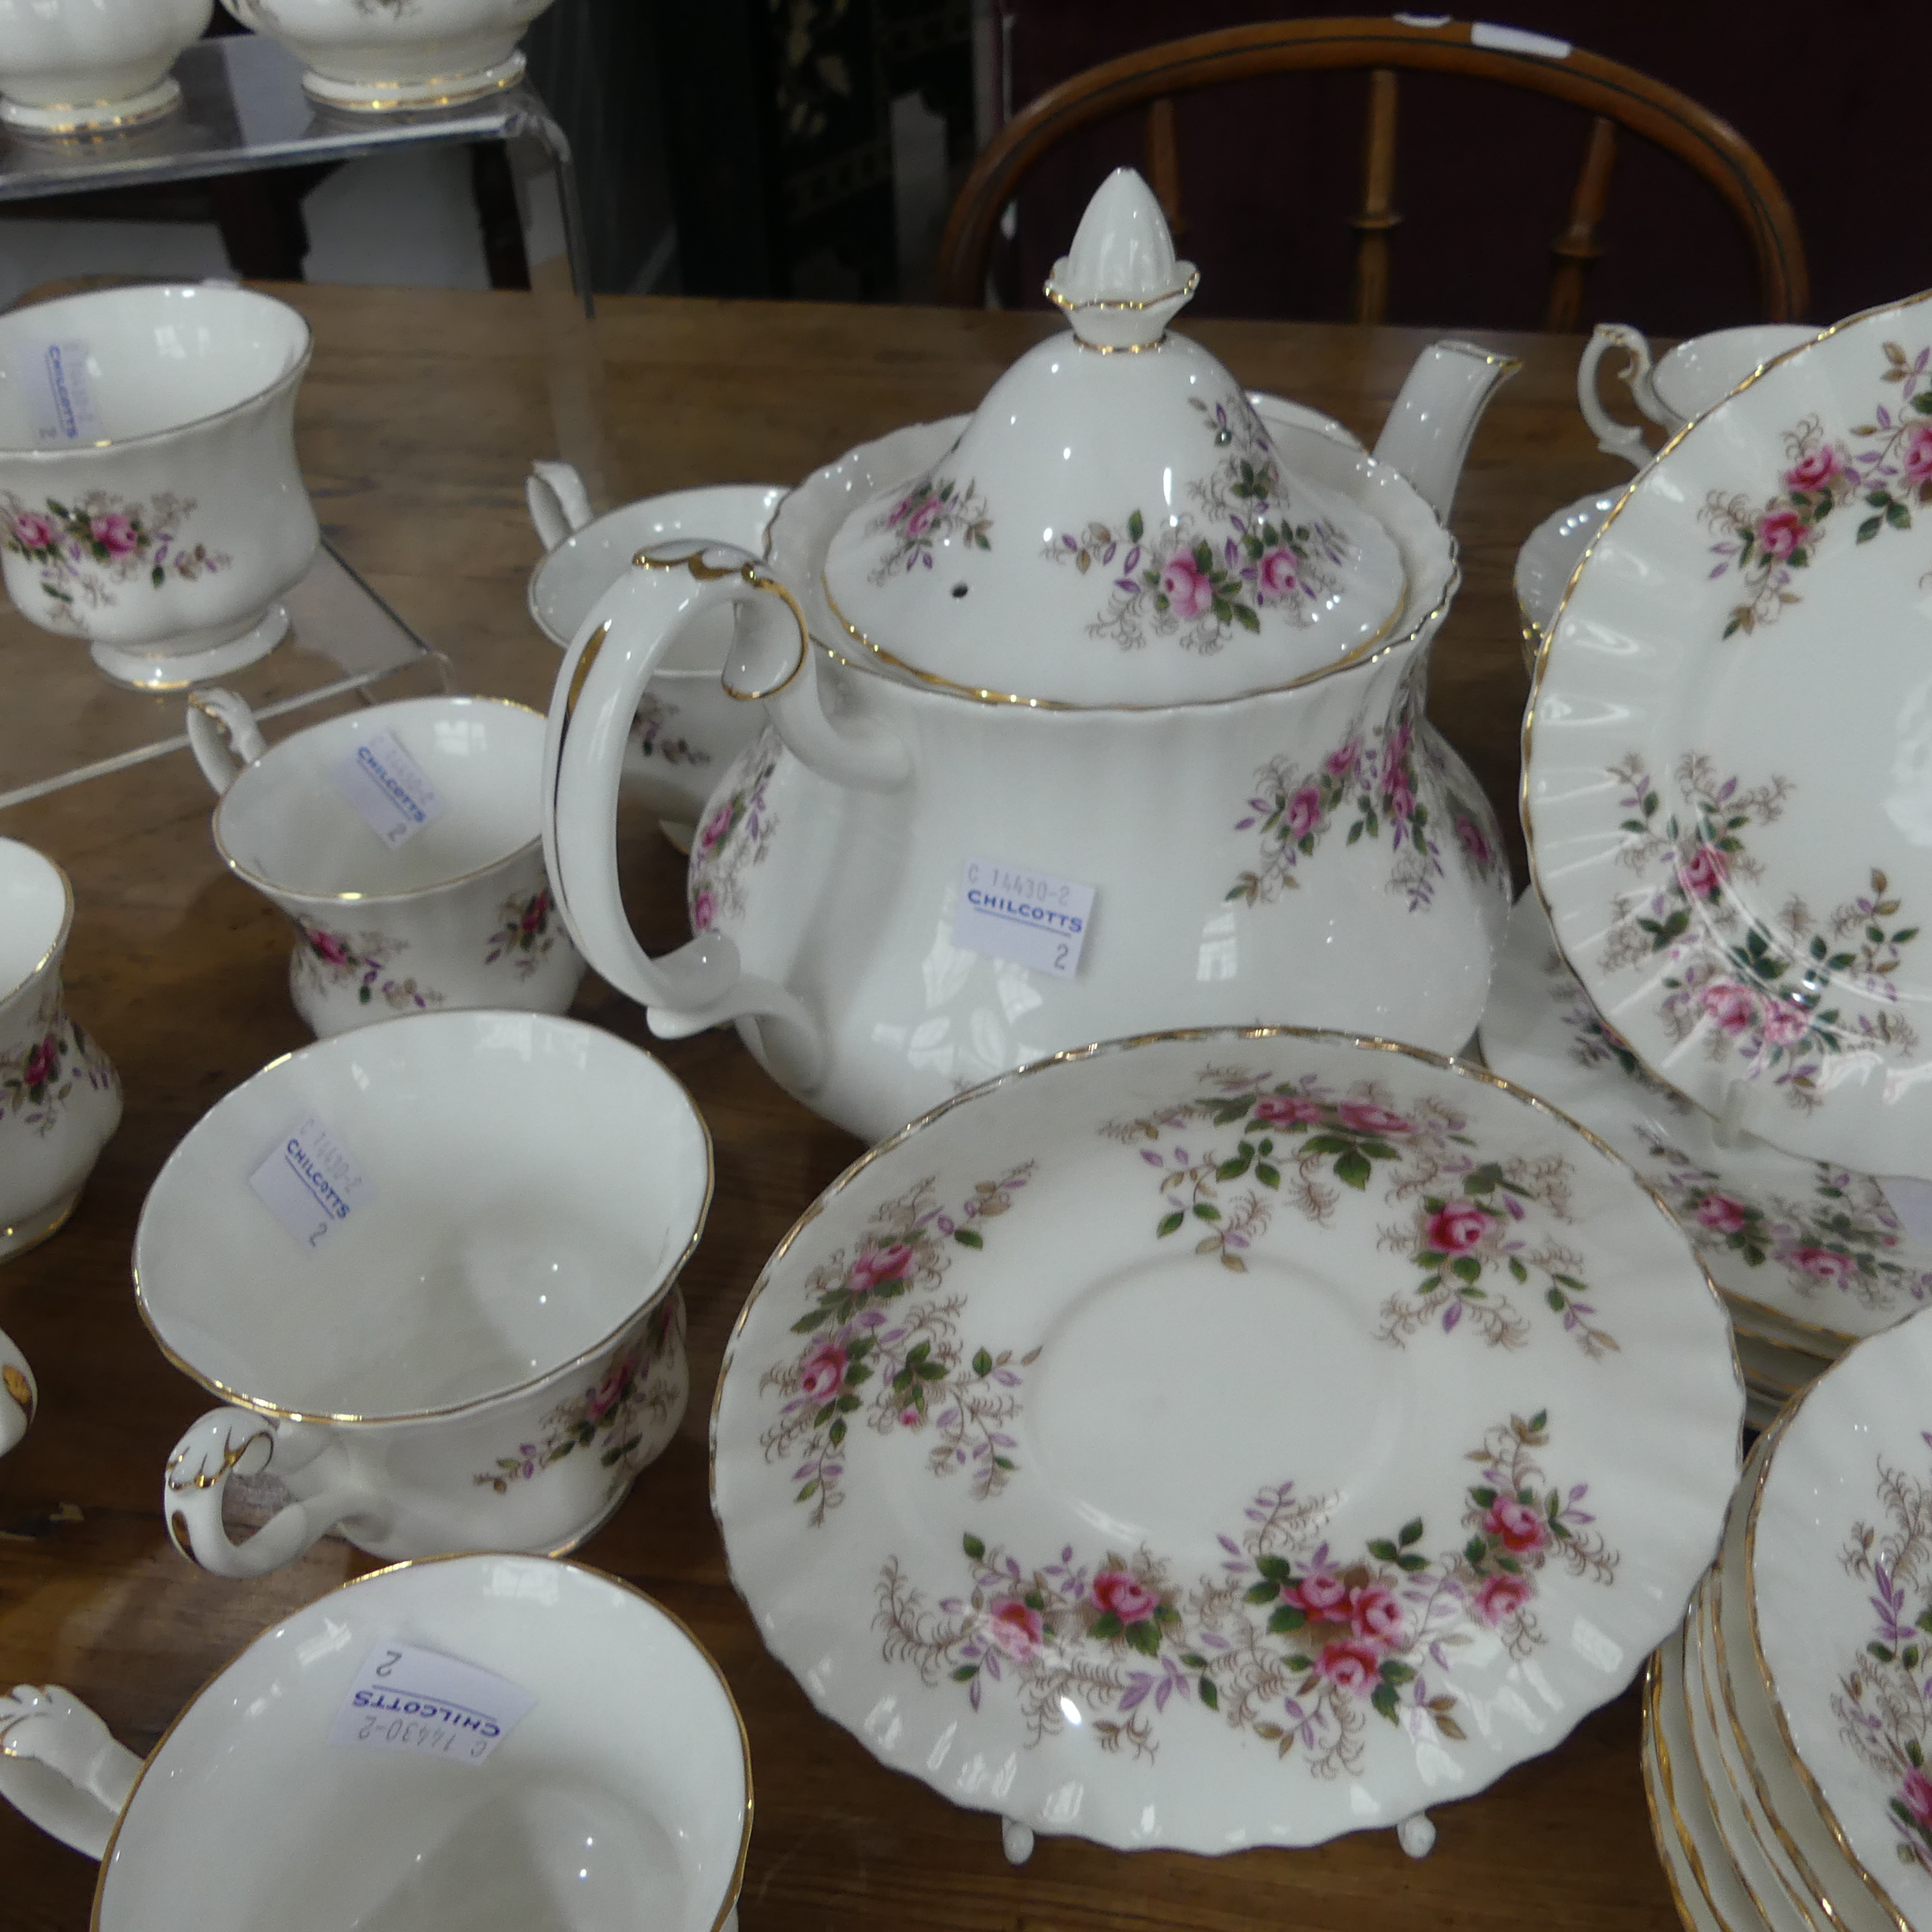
[84,66]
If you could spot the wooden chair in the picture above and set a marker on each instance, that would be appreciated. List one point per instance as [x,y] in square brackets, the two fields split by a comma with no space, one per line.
[1614,96]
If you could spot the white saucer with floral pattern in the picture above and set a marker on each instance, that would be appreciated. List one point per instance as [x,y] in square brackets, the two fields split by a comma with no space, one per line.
[1810,1254]
[1839,1552]
[1223,1438]
[1728,780]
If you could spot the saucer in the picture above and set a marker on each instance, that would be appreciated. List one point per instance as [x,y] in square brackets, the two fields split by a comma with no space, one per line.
[1548,560]
[1723,754]
[1200,1440]
[1810,1254]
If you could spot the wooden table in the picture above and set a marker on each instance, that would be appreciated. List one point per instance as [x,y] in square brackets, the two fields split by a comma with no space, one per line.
[417,422]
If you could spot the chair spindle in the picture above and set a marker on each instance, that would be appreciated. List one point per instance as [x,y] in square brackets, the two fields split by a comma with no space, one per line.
[1377,217]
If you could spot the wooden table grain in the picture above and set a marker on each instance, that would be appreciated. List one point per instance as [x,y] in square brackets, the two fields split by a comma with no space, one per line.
[416,425]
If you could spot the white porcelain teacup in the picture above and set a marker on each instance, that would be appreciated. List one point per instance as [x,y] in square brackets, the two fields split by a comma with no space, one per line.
[298,1789]
[84,66]
[19,1397]
[150,499]
[59,1098]
[689,727]
[370,55]
[456,912]
[1682,384]
[432,1268]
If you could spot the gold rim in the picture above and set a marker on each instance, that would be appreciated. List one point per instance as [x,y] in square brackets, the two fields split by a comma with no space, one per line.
[288,378]
[276,888]
[259,1406]
[1540,668]
[471,87]
[94,124]
[734,1885]
[1827,1816]
[755,576]
[53,952]
[1125,304]
[1665,1785]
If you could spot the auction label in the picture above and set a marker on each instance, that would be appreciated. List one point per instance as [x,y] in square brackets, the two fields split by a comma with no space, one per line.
[388,787]
[311,1183]
[411,1700]
[1013,912]
[54,386]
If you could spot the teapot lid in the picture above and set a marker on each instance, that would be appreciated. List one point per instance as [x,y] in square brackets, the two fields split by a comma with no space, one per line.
[1113,526]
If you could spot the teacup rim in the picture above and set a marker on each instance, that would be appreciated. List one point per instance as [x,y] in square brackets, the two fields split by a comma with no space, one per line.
[293,374]
[733,1885]
[257,1405]
[61,932]
[280,889]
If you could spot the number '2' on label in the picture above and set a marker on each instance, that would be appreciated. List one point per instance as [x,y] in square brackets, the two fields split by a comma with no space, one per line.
[1017,913]
[388,787]
[409,1699]
[311,1183]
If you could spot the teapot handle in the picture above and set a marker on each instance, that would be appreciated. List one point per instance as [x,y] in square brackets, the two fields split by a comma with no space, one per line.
[1614,438]
[600,685]
[61,1769]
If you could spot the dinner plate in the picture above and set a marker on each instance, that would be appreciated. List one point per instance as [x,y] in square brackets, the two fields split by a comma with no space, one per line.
[1809,1253]
[1548,558]
[1727,782]
[1839,1554]
[1226,1438]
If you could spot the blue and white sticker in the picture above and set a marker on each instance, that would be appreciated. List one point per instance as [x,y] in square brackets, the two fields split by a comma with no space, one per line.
[1021,914]
[311,1183]
[388,787]
[58,399]
[407,1699]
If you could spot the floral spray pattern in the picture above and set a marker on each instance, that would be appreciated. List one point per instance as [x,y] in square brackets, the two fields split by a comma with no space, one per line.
[523,935]
[1756,995]
[84,550]
[1468,1226]
[651,736]
[1884,1699]
[644,1383]
[1883,467]
[1240,551]
[879,1318]
[328,961]
[41,1072]
[928,513]
[735,835]
[1291,1641]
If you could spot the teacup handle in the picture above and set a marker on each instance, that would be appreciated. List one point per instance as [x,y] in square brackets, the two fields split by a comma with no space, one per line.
[222,734]
[61,1769]
[237,1442]
[559,504]
[1614,438]
[18,1395]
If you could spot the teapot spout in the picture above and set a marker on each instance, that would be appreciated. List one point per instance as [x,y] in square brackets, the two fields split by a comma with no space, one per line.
[1429,429]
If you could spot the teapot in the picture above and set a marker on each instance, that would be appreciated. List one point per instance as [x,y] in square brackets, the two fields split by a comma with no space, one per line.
[1098,712]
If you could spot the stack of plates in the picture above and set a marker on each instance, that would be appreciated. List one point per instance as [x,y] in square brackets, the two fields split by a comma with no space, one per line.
[1809,1257]
[1787,1724]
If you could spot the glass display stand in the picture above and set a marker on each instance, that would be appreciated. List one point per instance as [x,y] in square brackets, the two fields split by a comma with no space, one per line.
[243,109]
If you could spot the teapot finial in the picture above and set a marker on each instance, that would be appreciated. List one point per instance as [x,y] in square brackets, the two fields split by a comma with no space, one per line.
[1120,284]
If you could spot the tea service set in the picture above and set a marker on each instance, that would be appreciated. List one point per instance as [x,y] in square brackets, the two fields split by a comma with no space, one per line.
[1453,1434]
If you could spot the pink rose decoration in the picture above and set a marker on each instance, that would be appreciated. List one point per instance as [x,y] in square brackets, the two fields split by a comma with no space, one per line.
[1016,1628]
[114,533]
[43,1062]
[923,518]
[1287,1111]
[1917,1792]
[715,827]
[1279,574]
[1517,1526]
[1304,812]
[1367,1118]
[704,910]
[536,913]
[909,1418]
[1186,588]
[901,510]
[1784,1023]
[32,531]
[1780,532]
[1456,1228]
[1352,1666]
[326,945]
[1703,872]
[604,1398]
[823,1374]
[1341,761]
[1720,1212]
[1374,1615]
[1733,1007]
[1128,1597]
[1825,1264]
[1812,472]
[1502,1597]
[1322,1595]
[878,1264]
[1397,797]
[1473,840]
[1918,464]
